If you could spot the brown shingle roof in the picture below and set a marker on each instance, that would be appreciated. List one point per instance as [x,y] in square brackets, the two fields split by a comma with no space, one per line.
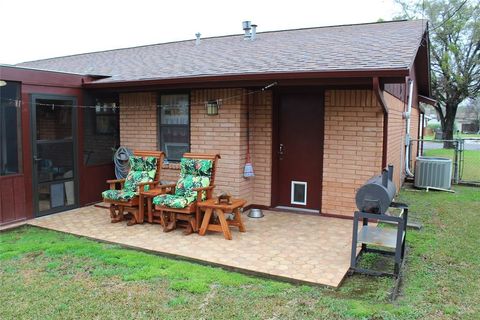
[374,46]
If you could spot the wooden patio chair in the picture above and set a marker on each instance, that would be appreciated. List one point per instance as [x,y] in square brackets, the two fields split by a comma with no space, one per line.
[196,183]
[144,174]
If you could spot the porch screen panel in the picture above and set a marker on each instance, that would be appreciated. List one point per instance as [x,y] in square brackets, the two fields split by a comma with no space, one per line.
[10,129]
[174,128]
[101,132]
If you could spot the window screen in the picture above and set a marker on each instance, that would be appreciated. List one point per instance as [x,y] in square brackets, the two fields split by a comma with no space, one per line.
[174,125]
[101,132]
[10,129]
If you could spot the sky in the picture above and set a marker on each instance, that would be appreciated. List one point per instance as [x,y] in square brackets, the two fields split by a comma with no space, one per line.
[38,29]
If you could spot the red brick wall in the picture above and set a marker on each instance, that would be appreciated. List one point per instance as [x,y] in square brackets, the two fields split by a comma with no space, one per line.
[138,120]
[138,126]
[261,147]
[352,148]
[396,137]
[225,133]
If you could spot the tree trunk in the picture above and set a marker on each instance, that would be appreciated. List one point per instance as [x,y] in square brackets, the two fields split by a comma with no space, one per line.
[448,128]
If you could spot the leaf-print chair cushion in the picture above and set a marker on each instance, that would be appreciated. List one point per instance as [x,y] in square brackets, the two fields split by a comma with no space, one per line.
[196,167]
[141,170]
[184,195]
[194,173]
[119,195]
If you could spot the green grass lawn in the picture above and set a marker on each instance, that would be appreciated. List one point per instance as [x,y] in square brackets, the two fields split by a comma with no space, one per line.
[457,136]
[471,168]
[467,135]
[50,275]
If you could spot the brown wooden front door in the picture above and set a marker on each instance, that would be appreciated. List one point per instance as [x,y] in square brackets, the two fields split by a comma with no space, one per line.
[299,153]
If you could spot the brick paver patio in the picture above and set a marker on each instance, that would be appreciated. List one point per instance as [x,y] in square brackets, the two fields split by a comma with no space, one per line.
[305,248]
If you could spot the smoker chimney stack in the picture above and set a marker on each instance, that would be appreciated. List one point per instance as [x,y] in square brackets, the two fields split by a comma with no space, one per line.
[197,40]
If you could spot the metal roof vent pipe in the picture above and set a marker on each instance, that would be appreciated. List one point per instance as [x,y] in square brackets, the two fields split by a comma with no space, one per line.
[197,40]
[247,26]
[254,32]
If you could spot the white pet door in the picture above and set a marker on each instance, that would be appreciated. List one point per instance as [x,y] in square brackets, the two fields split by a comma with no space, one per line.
[299,193]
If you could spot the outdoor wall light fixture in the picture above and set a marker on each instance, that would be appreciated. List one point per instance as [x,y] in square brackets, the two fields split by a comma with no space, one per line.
[212,107]
[3,83]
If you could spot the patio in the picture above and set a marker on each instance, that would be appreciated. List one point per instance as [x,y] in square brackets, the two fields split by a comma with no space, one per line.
[301,248]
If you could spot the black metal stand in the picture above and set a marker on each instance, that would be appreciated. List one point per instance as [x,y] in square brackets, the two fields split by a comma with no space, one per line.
[380,237]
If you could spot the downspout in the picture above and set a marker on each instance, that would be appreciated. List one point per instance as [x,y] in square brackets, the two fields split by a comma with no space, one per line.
[420,133]
[381,100]
[406,115]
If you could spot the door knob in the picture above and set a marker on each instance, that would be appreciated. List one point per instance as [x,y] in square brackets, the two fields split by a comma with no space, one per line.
[281,149]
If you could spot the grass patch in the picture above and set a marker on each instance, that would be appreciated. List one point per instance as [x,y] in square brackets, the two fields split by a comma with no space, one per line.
[467,136]
[50,275]
[457,136]
[471,167]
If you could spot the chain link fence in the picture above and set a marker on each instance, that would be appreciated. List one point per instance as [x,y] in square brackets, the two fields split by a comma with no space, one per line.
[464,153]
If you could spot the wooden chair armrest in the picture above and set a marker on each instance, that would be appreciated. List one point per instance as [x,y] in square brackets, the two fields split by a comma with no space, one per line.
[210,192]
[141,185]
[147,183]
[113,182]
[116,181]
[150,193]
[164,186]
[208,189]
[203,188]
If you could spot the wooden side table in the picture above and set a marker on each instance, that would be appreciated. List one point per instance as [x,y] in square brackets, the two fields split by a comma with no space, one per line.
[209,207]
[147,196]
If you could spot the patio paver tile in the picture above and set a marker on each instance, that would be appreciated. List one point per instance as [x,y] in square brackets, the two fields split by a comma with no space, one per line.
[301,247]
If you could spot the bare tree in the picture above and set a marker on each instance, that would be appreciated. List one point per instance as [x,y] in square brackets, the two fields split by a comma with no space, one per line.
[455,52]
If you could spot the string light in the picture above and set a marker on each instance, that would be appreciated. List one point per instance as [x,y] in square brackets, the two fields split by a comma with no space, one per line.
[18,103]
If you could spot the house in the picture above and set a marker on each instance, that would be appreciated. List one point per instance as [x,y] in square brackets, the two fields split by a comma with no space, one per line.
[320,110]
[468,118]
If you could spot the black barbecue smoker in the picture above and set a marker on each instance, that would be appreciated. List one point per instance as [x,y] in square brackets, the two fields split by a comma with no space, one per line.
[373,200]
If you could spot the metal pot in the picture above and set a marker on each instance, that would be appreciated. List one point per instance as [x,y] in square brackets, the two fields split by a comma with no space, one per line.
[255,213]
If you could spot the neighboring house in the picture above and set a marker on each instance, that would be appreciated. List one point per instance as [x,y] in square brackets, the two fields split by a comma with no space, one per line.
[333,119]
[426,121]
[468,118]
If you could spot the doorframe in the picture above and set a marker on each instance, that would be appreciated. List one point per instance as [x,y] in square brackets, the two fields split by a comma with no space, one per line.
[33,139]
[276,100]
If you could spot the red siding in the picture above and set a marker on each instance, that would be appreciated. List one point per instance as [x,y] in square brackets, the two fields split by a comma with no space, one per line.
[94,182]
[16,198]
[12,199]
